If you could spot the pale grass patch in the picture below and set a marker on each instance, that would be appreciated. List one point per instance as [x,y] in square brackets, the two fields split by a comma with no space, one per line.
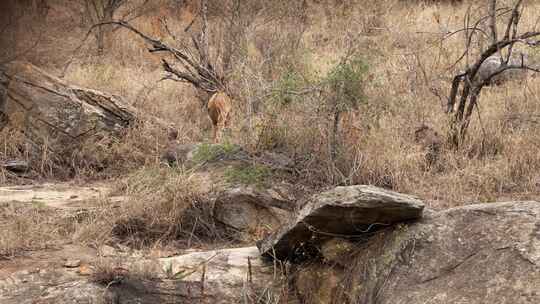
[30,227]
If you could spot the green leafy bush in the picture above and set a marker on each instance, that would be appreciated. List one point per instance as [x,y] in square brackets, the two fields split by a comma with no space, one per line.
[249,175]
[211,152]
[287,87]
[344,84]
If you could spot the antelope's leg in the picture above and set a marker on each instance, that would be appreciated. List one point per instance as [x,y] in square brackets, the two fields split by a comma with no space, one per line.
[214,133]
[220,127]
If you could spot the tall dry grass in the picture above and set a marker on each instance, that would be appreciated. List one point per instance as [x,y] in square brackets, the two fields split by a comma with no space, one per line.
[162,207]
[410,68]
[30,227]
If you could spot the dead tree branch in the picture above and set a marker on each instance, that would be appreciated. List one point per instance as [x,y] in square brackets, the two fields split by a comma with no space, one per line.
[194,63]
[469,81]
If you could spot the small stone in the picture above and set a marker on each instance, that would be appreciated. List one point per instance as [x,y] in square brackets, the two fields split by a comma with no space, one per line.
[123,248]
[107,250]
[85,270]
[72,263]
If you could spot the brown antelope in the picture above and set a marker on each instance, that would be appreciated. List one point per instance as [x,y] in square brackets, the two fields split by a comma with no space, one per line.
[219,108]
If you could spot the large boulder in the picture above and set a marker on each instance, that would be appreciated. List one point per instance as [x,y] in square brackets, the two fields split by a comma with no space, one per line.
[342,211]
[246,208]
[485,253]
[493,63]
[55,114]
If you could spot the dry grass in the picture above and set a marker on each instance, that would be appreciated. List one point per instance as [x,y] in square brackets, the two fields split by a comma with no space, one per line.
[30,227]
[407,63]
[109,271]
[162,207]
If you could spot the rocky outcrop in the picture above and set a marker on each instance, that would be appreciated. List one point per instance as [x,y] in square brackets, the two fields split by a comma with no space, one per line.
[49,286]
[228,275]
[365,253]
[486,253]
[250,194]
[55,114]
[343,211]
[207,277]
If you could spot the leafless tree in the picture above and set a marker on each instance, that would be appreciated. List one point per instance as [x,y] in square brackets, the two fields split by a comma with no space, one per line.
[100,11]
[197,55]
[103,11]
[467,86]
[189,60]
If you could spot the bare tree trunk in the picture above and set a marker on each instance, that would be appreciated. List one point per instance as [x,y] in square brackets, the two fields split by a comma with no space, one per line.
[334,136]
[104,32]
[471,83]
[493,20]
[100,38]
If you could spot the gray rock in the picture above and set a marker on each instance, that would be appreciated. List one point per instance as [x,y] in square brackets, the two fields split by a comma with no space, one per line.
[17,166]
[485,253]
[72,263]
[343,211]
[50,110]
[229,274]
[337,251]
[317,284]
[247,208]
[207,277]
[51,286]
[493,63]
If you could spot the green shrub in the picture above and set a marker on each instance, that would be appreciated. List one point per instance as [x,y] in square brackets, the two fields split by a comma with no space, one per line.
[286,89]
[255,175]
[344,84]
[211,152]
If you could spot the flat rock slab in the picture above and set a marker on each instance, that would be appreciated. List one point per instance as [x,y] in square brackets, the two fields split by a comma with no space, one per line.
[227,273]
[342,211]
[207,277]
[61,196]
